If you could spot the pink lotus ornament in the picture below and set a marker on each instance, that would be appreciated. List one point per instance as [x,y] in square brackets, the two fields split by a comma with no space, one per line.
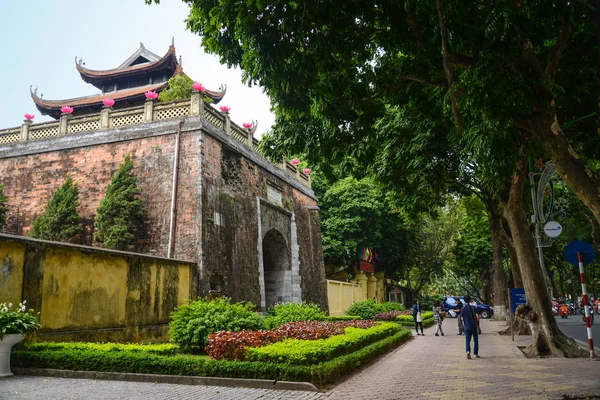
[66,110]
[151,95]
[247,125]
[306,171]
[108,102]
[295,161]
[225,109]
[29,117]
[198,87]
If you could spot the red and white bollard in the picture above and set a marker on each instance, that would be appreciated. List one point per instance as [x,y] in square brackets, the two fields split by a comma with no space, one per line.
[585,305]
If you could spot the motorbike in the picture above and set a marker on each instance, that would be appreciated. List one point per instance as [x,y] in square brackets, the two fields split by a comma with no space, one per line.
[591,314]
[563,311]
[555,309]
[571,309]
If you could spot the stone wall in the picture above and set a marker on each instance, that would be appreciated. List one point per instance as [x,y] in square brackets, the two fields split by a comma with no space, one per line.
[220,187]
[90,294]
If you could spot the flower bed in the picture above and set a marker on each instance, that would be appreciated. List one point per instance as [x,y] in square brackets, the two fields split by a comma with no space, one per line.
[142,362]
[232,345]
[306,352]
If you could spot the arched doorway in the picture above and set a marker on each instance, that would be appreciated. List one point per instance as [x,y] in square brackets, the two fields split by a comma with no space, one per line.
[277,271]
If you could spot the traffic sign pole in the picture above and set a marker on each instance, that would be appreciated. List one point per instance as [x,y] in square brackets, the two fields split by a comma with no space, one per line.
[585,304]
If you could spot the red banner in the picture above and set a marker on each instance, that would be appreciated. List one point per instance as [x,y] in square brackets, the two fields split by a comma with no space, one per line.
[365,266]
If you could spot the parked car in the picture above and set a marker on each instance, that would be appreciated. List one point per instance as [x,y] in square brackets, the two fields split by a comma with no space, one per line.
[483,310]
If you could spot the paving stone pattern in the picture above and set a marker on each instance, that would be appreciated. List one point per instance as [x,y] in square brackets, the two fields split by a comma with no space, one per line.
[30,387]
[431,367]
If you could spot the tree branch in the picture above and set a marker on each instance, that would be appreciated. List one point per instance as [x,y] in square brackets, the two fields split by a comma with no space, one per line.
[412,20]
[463,61]
[554,58]
[418,79]
[448,65]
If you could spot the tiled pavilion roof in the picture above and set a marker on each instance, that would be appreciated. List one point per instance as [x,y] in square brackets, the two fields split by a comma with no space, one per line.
[141,63]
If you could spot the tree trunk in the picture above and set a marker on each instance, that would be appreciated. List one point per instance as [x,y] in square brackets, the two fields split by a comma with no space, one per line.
[519,327]
[548,340]
[499,278]
[514,265]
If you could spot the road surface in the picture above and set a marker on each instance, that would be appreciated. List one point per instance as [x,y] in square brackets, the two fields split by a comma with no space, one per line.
[575,327]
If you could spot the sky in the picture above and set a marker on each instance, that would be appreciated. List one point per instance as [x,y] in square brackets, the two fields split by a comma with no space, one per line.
[39,40]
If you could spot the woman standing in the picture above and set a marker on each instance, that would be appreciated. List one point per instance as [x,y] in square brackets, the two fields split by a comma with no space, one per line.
[438,317]
[417,317]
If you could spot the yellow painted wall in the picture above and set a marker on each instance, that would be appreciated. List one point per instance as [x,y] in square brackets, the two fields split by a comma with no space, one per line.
[86,293]
[11,272]
[341,295]
[83,290]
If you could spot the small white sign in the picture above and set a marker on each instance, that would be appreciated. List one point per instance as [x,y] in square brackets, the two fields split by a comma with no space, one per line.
[569,281]
[552,229]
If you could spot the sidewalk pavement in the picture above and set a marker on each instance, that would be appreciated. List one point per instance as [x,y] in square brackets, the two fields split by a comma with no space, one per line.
[436,367]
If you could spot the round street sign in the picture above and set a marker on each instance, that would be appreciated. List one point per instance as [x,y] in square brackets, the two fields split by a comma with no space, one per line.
[569,281]
[552,229]
[579,246]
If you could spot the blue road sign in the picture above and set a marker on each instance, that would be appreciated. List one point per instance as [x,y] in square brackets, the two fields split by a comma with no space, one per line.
[517,297]
[579,246]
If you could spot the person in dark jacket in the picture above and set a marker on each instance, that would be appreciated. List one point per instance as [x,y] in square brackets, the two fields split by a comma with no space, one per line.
[418,317]
[468,315]
[459,306]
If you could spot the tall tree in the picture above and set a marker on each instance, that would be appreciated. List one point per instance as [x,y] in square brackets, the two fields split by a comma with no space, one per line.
[60,220]
[485,77]
[120,211]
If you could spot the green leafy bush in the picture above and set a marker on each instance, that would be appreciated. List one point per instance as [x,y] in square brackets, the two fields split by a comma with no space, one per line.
[60,220]
[282,313]
[141,362]
[164,349]
[365,309]
[191,324]
[391,306]
[19,320]
[305,352]
[179,88]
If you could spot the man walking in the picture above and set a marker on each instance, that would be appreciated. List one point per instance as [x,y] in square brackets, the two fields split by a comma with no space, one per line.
[468,315]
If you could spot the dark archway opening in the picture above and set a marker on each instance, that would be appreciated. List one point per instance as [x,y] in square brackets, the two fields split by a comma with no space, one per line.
[276,266]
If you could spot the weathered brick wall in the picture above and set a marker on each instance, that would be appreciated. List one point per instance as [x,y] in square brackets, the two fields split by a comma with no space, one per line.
[31,180]
[214,177]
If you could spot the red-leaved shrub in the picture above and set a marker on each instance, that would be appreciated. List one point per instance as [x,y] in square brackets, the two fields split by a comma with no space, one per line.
[232,345]
[387,316]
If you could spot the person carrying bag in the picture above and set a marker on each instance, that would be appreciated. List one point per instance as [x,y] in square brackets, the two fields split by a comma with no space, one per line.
[418,318]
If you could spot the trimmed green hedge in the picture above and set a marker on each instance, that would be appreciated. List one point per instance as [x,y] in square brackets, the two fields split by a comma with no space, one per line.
[307,352]
[188,365]
[164,349]
[409,321]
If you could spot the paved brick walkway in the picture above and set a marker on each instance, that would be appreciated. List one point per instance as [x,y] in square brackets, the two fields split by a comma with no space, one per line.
[433,367]
[32,387]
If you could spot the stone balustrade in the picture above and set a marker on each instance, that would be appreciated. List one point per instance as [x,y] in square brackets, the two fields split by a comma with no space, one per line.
[150,111]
